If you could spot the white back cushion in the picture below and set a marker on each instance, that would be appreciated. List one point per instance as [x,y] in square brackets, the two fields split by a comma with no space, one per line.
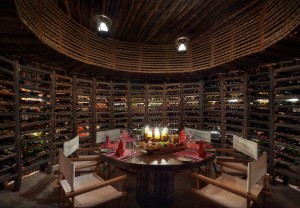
[71,146]
[113,135]
[245,146]
[67,168]
[199,134]
[256,170]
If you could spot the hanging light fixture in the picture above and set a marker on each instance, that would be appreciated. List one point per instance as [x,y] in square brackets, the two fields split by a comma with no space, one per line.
[103,24]
[181,44]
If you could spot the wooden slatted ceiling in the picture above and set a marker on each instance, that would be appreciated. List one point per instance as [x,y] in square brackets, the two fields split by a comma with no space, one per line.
[16,39]
[156,22]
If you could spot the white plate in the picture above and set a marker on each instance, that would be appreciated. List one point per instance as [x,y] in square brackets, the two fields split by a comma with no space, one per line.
[184,159]
[106,150]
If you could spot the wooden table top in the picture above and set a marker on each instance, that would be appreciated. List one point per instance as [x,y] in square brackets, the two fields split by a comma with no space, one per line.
[165,161]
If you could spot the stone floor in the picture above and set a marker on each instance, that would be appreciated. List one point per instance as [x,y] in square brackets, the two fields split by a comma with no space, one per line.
[40,191]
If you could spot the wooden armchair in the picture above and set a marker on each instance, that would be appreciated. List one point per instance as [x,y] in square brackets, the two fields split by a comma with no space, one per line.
[113,135]
[86,190]
[231,191]
[236,165]
[83,160]
[201,135]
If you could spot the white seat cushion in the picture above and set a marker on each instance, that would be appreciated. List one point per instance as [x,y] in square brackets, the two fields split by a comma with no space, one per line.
[91,198]
[226,198]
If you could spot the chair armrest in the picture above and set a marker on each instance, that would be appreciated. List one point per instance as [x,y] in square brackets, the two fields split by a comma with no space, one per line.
[225,150]
[234,160]
[225,187]
[96,186]
[79,167]
[232,166]
[87,149]
[96,158]
[268,177]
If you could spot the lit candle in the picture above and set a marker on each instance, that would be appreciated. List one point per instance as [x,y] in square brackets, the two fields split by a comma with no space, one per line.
[156,134]
[146,132]
[149,135]
[163,135]
[165,130]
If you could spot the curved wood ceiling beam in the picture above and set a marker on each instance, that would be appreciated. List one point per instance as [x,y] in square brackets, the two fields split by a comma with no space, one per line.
[249,34]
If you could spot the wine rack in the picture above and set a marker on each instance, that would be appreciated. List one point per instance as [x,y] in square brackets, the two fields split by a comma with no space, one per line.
[234,104]
[120,104]
[191,105]
[156,105]
[212,107]
[40,110]
[36,128]
[63,113]
[137,107]
[173,107]
[84,111]
[259,107]
[103,106]
[8,122]
[287,120]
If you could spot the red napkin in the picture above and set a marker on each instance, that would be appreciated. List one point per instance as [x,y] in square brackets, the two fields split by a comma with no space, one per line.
[182,136]
[120,150]
[201,152]
[107,141]
[207,146]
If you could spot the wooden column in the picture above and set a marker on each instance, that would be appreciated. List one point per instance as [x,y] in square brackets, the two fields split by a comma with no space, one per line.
[18,149]
[154,188]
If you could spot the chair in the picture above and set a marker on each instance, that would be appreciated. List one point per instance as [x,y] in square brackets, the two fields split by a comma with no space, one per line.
[232,164]
[113,135]
[101,138]
[83,163]
[199,134]
[231,191]
[86,190]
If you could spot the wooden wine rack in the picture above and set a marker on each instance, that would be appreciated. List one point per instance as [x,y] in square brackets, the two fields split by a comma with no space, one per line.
[103,106]
[36,116]
[212,117]
[191,105]
[53,108]
[84,110]
[173,107]
[156,105]
[137,110]
[9,124]
[63,113]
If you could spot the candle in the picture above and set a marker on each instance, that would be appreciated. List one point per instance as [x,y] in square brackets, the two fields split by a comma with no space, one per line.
[164,132]
[146,132]
[149,135]
[156,133]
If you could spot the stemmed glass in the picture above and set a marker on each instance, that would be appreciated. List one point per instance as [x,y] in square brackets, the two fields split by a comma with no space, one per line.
[136,143]
[190,140]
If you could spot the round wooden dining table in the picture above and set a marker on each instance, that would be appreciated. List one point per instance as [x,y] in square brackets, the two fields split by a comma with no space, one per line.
[155,174]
